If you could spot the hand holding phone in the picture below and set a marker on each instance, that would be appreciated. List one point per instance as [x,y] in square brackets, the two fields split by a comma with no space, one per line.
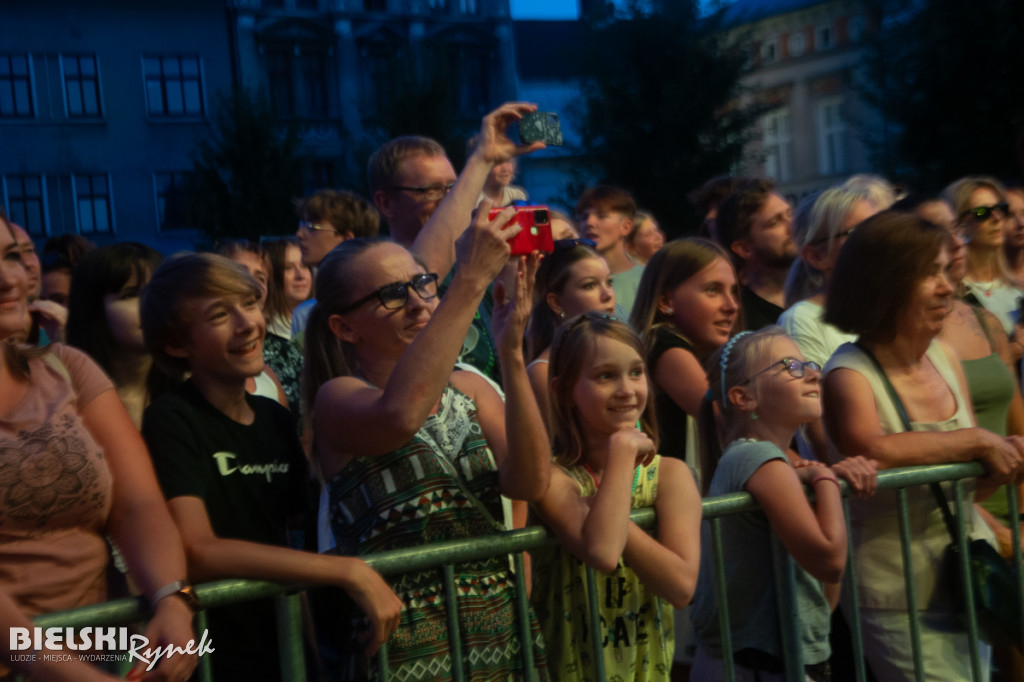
[536,232]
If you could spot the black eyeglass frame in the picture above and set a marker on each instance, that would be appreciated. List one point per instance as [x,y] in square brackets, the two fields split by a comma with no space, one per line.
[430,192]
[418,282]
[982,213]
[796,368]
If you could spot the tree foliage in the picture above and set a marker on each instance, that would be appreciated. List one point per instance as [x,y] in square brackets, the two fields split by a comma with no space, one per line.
[947,77]
[246,174]
[662,109]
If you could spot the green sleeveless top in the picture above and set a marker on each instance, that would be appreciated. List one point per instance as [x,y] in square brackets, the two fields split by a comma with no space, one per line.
[990,384]
[636,626]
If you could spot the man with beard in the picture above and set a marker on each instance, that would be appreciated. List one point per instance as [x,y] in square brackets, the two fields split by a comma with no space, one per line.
[755,225]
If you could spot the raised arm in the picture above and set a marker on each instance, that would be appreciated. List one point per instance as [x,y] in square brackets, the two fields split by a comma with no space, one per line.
[595,529]
[854,427]
[211,557]
[668,565]
[514,428]
[360,420]
[435,243]
[815,537]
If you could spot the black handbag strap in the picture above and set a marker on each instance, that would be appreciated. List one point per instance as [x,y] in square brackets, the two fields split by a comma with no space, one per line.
[940,497]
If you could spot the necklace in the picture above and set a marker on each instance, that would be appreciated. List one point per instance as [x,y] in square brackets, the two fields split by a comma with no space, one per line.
[597,484]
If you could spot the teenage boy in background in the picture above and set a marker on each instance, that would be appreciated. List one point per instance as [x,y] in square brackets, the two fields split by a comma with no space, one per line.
[230,464]
[605,215]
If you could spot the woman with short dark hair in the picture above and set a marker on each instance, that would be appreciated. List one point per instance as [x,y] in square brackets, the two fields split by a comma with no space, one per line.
[898,396]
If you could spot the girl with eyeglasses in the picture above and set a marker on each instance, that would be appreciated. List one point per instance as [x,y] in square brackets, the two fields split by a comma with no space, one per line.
[764,391]
[979,204]
[413,452]
[604,440]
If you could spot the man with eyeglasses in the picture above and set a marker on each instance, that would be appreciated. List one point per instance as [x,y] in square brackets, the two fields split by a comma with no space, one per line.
[413,182]
[755,224]
[327,218]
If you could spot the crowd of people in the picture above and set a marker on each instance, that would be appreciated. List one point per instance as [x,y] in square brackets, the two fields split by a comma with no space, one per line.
[310,400]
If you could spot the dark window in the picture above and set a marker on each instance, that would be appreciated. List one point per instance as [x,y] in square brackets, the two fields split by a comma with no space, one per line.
[82,85]
[375,5]
[174,86]
[15,86]
[469,64]
[298,83]
[26,201]
[93,203]
[305,4]
[172,205]
[469,6]
[437,6]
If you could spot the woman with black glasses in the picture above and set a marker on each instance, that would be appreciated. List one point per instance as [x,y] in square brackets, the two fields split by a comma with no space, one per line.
[898,396]
[413,452]
[979,204]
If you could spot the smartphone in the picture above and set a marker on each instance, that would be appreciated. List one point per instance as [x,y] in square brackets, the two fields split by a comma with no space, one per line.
[536,232]
[541,126]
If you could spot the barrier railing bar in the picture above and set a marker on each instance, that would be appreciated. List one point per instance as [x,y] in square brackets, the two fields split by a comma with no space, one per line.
[722,599]
[850,585]
[1012,502]
[965,573]
[383,670]
[454,629]
[225,592]
[903,514]
[785,600]
[289,638]
[205,666]
[523,618]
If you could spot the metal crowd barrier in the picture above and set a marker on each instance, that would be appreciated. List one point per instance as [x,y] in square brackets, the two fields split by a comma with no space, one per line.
[446,554]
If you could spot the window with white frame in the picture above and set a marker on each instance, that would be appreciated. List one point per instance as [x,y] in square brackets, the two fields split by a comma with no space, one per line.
[81,85]
[16,86]
[172,204]
[25,198]
[174,85]
[775,142]
[824,38]
[831,131]
[94,203]
[856,28]
[797,43]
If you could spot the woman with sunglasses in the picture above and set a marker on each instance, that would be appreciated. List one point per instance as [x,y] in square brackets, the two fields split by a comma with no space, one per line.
[899,398]
[572,280]
[980,206]
[764,390]
[413,452]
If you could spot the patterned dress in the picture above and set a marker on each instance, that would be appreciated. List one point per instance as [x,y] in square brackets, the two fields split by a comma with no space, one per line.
[636,626]
[408,498]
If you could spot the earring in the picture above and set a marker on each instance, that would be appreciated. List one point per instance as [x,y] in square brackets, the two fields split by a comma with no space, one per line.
[666,311]
[562,314]
[753,416]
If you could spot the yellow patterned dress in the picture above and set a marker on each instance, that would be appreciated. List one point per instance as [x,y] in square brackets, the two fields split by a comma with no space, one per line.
[409,497]
[636,627]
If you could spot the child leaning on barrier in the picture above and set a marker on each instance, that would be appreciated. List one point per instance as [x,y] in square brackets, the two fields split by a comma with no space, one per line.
[607,466]
[764,391]
[230,463]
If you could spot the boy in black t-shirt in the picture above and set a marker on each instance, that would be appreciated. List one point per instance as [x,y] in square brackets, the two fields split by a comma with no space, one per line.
[230,463]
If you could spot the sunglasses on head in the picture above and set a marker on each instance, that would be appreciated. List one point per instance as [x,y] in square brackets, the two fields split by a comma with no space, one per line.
[983,213]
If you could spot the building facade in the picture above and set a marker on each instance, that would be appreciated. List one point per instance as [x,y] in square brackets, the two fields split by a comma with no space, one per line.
[101,103]
[806,56]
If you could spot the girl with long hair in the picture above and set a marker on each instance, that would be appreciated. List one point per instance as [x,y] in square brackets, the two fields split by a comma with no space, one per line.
[604,446]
